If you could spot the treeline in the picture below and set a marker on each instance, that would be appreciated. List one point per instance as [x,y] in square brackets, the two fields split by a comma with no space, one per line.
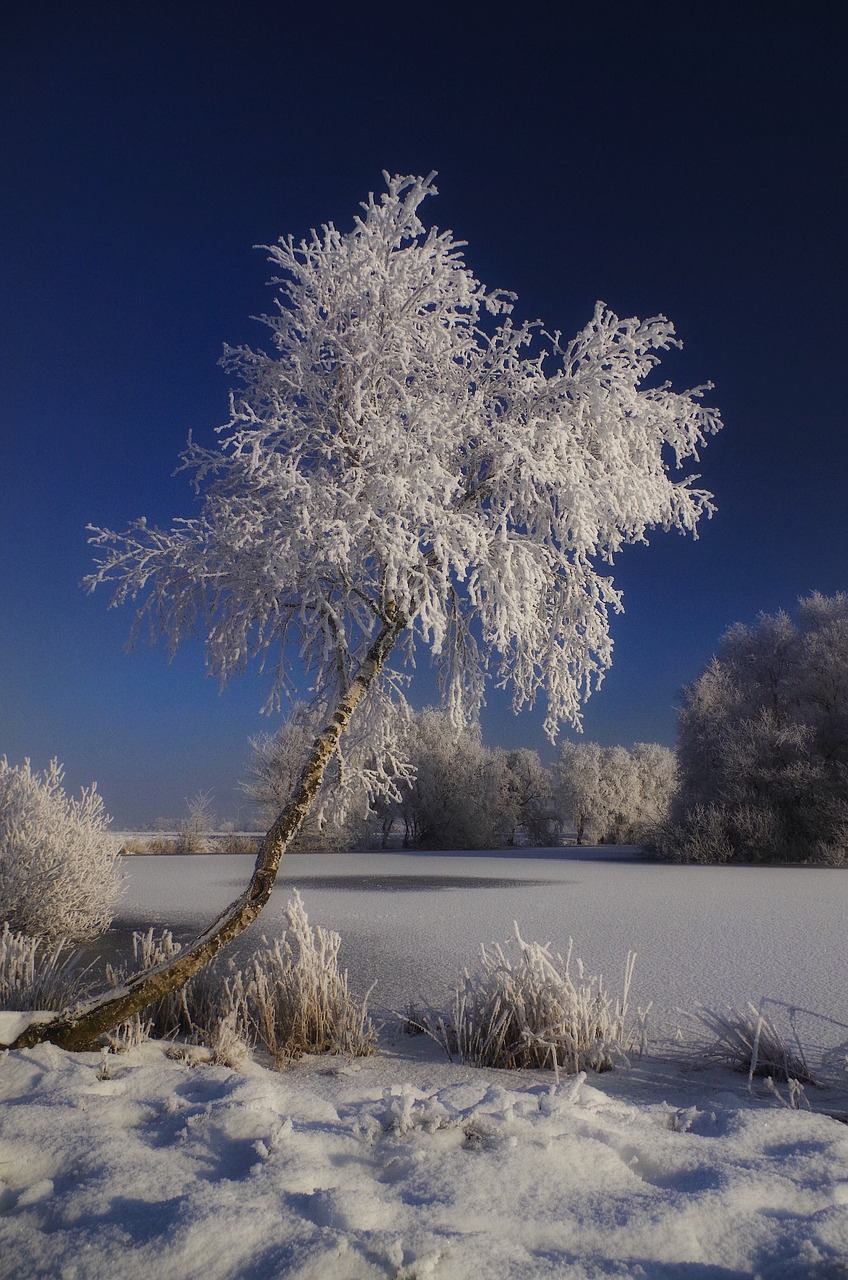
[760,773]
[461,794]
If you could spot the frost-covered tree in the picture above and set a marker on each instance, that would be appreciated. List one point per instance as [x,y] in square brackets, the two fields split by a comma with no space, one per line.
[578,773]
[763,744]
[457,797]
[614,794]
[276,762]
[59,868]
[530,797]
[407,466]
[654,785]
[343,806]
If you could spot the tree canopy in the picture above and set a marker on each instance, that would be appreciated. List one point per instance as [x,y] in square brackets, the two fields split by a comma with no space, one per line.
[407,450]
[763,743]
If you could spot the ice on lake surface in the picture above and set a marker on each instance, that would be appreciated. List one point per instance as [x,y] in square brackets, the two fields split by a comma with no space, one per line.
[410,923]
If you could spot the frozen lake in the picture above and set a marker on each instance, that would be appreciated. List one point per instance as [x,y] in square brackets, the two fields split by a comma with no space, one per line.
[411,922]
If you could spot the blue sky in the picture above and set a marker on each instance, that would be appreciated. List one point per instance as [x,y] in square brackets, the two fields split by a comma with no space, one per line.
[681,159]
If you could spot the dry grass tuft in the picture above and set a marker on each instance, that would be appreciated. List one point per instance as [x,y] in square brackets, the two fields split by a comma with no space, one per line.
[167,1016]
[295,999]
[748,1042]
[291,999]
[526,1010]
[35,974]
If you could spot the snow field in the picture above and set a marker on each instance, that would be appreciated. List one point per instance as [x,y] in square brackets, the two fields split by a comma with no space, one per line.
[405,1166]
[401,1168]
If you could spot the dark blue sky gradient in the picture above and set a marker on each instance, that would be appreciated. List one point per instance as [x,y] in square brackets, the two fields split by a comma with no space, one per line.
[681,159]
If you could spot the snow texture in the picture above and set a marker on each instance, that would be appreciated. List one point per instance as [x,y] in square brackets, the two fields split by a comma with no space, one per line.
[392,1168]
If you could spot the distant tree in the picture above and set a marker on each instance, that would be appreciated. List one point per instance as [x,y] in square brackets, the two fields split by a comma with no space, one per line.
[459,794]
[340,816]
[276,764]
[763,744]
[655,781]
[578,772]
[195,828]
[407,466]
[616,795]
[59,867]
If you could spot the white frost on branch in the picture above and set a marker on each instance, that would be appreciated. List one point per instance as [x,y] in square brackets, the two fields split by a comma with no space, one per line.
[405,450]
[372,763]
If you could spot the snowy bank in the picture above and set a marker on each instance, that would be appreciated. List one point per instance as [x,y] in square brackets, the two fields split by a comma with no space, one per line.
[405,1167]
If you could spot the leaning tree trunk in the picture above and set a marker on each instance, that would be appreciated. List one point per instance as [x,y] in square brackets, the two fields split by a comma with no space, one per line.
[80,1027]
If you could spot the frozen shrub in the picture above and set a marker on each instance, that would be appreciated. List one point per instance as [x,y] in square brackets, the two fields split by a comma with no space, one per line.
[528,1011]
[153,844]
[294,999]
[698,835]
[238,841]
[36,975]
[227,1042]
[59,869]
[195,828]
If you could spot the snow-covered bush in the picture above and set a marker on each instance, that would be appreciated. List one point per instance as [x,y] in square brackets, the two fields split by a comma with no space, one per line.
[696,835]
[227,1043]
[59,869]
[523,1008]
[35,974]
[195,828]
[233,841]
[763,744]
[613,794]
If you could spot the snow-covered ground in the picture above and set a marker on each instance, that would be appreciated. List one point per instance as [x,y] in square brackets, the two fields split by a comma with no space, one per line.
[405,1166]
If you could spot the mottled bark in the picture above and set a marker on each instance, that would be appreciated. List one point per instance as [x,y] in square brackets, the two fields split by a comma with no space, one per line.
[79,1028]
